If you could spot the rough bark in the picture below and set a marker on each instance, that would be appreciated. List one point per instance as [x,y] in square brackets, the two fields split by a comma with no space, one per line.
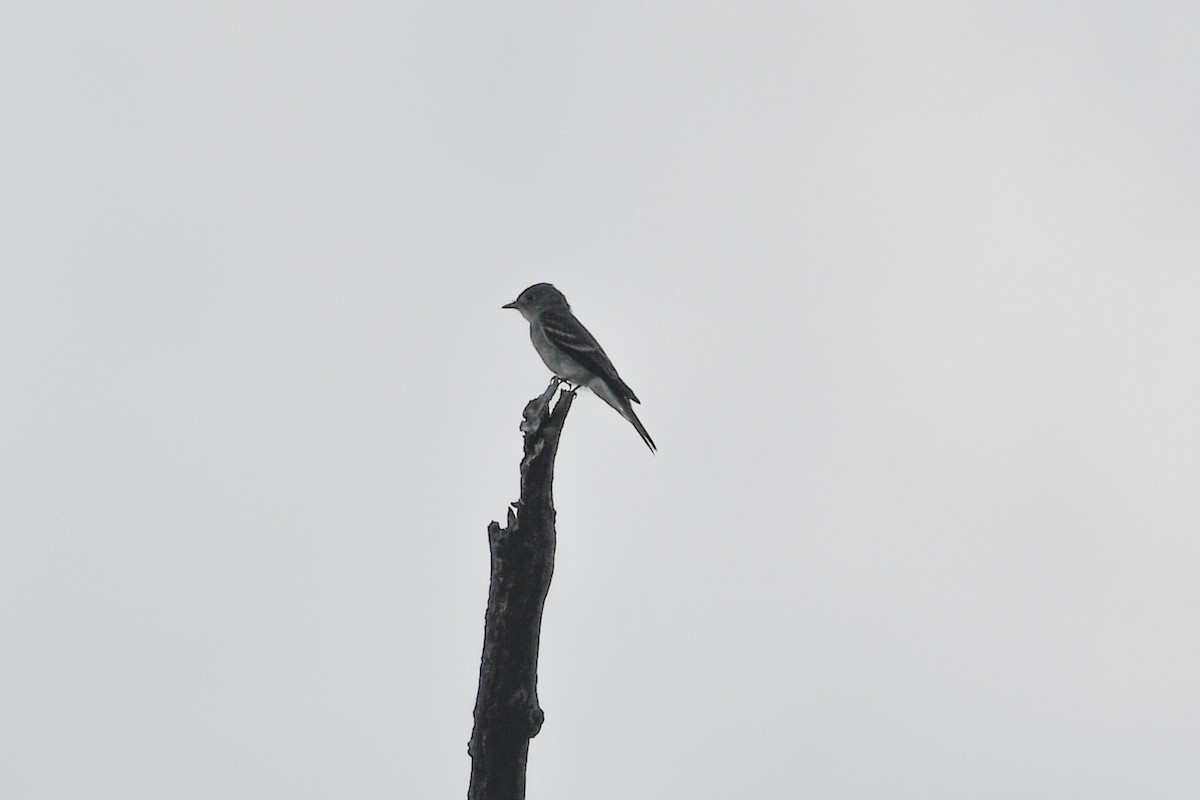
[507,714]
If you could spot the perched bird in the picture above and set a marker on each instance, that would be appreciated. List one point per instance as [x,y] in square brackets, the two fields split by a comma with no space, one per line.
[572,353]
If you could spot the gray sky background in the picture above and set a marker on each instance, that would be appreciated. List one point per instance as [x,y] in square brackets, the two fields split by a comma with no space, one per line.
[909,293]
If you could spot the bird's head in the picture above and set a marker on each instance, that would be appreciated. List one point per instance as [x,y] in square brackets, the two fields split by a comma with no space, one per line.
[538,298]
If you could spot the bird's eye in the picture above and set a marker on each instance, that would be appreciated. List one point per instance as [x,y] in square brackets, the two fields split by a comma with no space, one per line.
[532,296]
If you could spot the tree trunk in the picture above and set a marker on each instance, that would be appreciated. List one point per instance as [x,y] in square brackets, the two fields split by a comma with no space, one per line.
[507,714]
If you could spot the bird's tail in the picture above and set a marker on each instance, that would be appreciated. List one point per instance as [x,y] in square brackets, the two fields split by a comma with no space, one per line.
[628,414]
[623,407]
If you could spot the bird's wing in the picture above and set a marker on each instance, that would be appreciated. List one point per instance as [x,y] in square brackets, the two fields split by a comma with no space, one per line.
[569,335]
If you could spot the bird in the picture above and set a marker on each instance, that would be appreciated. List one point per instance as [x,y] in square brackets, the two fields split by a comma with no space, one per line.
[572,353]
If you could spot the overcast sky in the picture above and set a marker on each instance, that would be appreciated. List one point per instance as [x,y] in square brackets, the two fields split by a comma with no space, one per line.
[908,291]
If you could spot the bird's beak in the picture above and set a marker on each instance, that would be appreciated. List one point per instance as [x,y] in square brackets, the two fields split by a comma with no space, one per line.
[513,304]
